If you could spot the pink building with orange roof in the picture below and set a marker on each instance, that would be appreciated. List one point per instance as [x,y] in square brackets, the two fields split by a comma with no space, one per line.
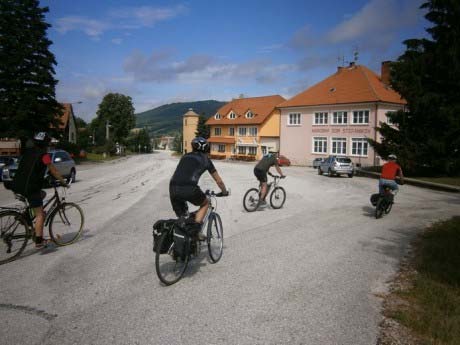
[337,116]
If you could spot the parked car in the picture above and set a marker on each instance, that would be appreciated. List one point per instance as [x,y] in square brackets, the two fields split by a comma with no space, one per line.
[60,159]
[317,162]
[336,165]
[4,161]
[283,161]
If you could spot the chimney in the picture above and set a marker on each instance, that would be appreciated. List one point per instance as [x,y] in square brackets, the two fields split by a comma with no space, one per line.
[385,72]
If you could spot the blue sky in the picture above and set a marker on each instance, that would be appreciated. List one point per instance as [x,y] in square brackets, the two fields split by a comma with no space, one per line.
[160,52]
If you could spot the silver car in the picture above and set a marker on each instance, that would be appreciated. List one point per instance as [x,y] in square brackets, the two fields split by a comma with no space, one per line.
[337,165]
[60,159]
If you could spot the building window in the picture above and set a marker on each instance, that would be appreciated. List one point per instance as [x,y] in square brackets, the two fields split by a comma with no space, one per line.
[339,117]
[232,115]
[388,114]
[242,131]
[241,150]
[249,115]
[253,131]
[264,150]
[359,146]
[221,148]
[217,116]
[294,119]
[361,117]
[185,122]
[252,150]
[217,131]
[231,131]
[321,118]
[319,145]
[339,146]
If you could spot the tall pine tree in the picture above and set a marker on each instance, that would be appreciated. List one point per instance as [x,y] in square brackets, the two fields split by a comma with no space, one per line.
[427,75]
[27,83]
[202,130]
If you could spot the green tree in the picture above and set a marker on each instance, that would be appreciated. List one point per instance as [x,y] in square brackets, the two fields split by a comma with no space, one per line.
[202,129]
[118,110]
[427,75]
[140,141]
[177,143]
[27,83]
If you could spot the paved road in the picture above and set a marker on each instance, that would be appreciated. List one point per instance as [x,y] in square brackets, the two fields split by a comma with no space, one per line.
[310,273]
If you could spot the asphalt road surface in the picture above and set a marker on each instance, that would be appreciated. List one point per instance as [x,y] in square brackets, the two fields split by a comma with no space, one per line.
[309,273]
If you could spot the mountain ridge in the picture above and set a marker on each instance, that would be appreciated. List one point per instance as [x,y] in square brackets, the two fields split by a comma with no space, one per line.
[167,118]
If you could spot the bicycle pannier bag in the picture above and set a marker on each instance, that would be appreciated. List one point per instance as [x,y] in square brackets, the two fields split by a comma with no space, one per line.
[374,199]
[158,228]
[181,242]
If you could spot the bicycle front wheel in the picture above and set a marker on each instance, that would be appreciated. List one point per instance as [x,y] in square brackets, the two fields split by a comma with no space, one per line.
[278,197]
[169,266]
[379,208]
[215,237]
[251,200]
[14,234]
[66,224]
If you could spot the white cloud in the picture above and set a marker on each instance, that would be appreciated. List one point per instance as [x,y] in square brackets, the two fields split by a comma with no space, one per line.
[148,15]
[91,27]
[117,41]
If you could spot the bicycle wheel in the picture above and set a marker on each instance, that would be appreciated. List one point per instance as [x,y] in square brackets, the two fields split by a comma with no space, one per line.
[14,234]
[388,208]
[170,268]
[379,208]
[251,200]
[215,237]
[278,197]
[66,224]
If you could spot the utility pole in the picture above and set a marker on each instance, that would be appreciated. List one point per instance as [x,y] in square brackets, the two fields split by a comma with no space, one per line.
[107,132]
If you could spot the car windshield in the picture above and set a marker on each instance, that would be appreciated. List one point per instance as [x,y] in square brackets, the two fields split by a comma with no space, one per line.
[344,160]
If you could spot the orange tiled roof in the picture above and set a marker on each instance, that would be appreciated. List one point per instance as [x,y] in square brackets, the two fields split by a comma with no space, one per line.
[354,84]
[261,107]
[221,140]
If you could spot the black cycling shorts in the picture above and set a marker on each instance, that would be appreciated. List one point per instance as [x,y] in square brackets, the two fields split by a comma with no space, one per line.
[261,175]
[36,199]
[179,195]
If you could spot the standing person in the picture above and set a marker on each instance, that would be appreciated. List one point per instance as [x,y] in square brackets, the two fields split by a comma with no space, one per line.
[260,171]
[390,170]
[30,178]
[184,187]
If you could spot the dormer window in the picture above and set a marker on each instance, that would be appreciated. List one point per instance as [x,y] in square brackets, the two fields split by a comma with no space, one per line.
[217,116]
[232,115]
[249,115]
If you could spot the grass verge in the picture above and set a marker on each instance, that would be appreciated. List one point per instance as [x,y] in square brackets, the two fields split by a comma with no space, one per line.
[96,157]
[426,300]
[452,181]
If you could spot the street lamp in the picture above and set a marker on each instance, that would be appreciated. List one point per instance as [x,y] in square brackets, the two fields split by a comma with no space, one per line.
[107,126]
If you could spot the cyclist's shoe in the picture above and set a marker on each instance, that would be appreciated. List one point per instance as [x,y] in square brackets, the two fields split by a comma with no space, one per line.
[263,204]
[40,242]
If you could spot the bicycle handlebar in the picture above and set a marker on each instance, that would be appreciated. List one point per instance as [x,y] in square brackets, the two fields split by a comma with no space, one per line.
[220,194]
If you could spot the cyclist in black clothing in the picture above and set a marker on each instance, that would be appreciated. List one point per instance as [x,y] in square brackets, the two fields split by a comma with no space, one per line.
[184,187]
[30,177]
[260,171]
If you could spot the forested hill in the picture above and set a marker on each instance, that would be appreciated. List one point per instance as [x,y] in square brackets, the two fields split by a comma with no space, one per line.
[168,118]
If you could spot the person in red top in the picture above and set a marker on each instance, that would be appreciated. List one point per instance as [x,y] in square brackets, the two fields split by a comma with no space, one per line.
[30,178]
[390,171]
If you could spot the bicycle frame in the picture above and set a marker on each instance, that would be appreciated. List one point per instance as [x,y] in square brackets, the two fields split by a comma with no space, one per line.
[274,183]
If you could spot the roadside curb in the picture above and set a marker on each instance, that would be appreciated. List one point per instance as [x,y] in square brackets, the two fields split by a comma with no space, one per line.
[414,182]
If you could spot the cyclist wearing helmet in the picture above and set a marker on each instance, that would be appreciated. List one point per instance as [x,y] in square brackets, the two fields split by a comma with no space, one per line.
[30,177]
[261,170]
[184,187]
[390,170]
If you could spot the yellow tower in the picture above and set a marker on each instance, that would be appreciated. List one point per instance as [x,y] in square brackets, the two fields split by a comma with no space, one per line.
[189,125]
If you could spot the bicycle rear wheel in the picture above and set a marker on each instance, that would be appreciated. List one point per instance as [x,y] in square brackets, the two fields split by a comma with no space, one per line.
[388,208]
[251,200]
[14,234]
[379,208]
[66,224]
[278,197]
[215,237]
[170,268]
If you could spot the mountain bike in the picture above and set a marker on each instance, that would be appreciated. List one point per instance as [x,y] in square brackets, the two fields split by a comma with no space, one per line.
[64,220]
[252,200]
[171,261]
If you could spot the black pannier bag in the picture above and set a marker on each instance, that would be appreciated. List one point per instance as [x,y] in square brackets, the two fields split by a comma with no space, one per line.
[374,199]
[158,228]
[182,242]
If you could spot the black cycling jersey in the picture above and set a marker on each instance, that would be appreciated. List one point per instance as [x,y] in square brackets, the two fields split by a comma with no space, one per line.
[266,162]
[30,175]
[190,168]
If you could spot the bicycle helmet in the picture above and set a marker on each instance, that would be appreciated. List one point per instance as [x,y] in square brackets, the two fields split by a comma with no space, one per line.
[392,157]
[200,144]
[42,138]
